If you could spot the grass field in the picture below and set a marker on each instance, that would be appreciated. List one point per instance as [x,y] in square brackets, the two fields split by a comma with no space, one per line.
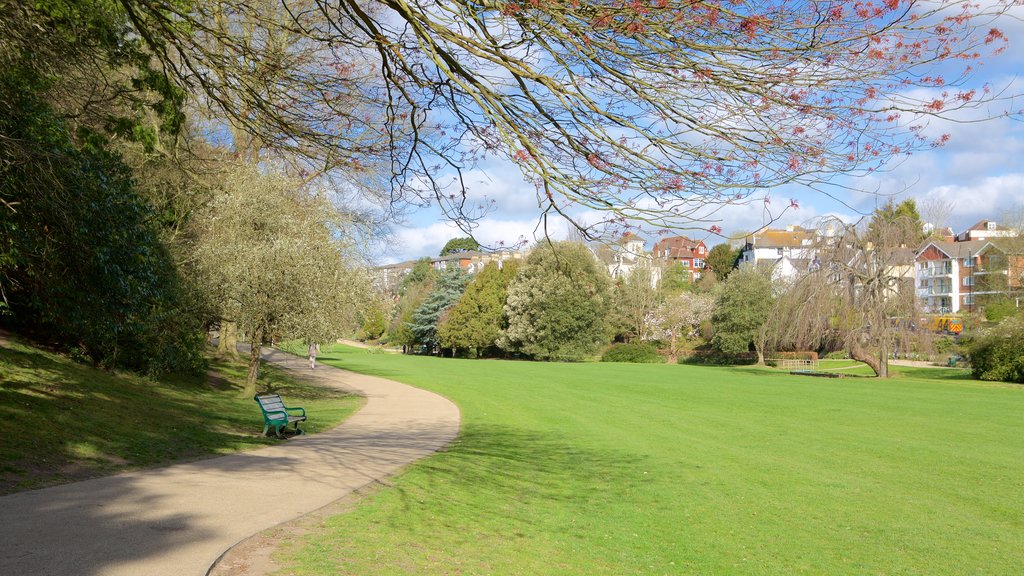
[61,421]
[656,469]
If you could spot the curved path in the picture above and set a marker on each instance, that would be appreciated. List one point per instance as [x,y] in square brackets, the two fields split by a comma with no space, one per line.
[177,520]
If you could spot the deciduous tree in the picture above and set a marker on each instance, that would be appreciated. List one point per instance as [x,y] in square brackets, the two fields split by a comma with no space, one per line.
[659,111]
[464,244]
[679,317]
[859,297]
[279,258]
[723,259]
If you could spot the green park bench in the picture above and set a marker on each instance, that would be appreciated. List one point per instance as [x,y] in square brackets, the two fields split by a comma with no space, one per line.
[276,414]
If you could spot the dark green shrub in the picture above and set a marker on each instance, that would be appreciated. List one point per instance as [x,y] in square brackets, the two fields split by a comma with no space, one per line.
[998,310]
[635,353]
[997,354]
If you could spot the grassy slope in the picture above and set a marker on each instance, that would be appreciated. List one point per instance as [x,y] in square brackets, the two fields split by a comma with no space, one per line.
[656,469]
[61,421]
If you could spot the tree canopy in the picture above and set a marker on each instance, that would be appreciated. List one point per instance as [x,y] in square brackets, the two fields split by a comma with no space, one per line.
[465,244]
[723,259]
[278,258]
[741,310]
[558,304]
[690,105]
[448,288]
[477,321]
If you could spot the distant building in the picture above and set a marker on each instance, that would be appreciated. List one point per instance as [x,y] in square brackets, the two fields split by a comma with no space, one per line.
[690,254]
[388,278]
[982,263]
[984,230]
[943,274]
[786,252]
[624,257]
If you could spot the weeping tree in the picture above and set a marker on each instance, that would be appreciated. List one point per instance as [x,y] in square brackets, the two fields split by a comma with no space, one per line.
[660,112]
[279,258]
[858,295]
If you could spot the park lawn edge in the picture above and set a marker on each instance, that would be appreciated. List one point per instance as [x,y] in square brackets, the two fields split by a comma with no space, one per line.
[64,422]
[893,523]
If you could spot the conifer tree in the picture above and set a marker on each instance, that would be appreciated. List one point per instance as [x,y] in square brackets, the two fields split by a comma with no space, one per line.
[477,321]
[449,287]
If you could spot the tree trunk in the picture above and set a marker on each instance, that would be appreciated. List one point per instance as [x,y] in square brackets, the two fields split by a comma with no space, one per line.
[862,355]
[883,361]
[254,364]
[760,355]
[227,342]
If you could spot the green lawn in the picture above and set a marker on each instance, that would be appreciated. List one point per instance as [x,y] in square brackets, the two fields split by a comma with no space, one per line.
[655,469]
[61,421]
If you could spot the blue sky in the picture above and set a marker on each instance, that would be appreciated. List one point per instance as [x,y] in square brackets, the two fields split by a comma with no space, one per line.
[979,174]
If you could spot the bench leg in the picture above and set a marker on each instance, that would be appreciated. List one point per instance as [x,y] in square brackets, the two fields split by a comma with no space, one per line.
[265,428]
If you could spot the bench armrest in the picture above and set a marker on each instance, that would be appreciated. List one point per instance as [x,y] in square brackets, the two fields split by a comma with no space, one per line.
[275,414]
[300,409]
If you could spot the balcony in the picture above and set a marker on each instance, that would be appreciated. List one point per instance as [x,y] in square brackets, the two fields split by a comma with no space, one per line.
[935,271]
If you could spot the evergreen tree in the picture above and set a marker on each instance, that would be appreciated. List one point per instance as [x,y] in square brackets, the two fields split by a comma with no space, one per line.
[896,225]
[723,259]
[558,304]
[424,322]
[477,321]
[741,310]
[455,245]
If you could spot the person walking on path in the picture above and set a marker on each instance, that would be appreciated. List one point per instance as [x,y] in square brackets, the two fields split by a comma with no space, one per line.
[314,349]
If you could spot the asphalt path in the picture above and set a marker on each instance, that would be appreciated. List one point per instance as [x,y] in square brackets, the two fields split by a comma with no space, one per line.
[179,519]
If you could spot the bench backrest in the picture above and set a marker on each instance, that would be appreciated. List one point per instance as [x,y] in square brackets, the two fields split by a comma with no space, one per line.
[271,403]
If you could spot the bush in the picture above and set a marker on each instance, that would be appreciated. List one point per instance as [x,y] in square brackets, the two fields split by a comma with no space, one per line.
[944,345]
[997,354]
[999,310]
[838,355]
[715,358]
[635,353]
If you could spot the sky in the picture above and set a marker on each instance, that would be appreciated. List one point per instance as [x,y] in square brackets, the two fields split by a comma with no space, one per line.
[978,174]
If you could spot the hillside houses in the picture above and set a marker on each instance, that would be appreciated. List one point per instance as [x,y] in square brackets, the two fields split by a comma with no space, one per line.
[951,274]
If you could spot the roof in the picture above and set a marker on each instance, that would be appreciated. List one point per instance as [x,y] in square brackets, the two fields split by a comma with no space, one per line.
[1013,246]
[955,249]
[772,238]
[982,225]
[678,246]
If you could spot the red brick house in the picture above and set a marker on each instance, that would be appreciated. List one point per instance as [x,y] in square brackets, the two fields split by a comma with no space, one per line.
[691,254]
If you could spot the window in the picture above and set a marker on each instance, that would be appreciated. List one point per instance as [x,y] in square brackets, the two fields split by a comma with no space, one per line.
[968,262]
[700,249]
[698,263]
[990,225]
[969,299]
[685,263]
[968,280]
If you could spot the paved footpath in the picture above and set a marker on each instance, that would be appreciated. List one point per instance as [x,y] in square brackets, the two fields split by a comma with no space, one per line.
[179,519]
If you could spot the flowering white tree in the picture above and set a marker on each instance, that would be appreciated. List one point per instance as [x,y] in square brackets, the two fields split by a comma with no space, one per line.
[679,317]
